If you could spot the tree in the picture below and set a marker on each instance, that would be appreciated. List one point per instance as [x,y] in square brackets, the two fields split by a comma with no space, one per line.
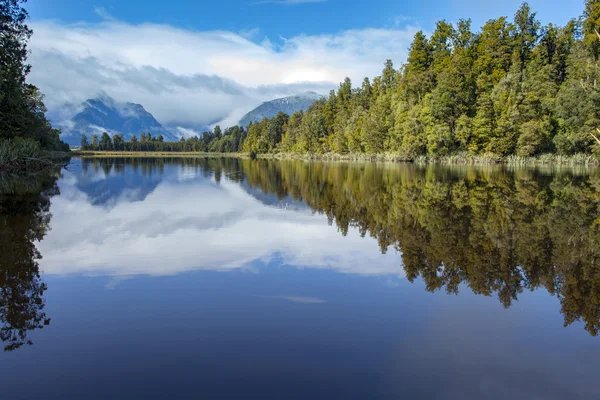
[84,142]
[21,104]
[591,26]
[526,33]
[95,142]
[275,130]
[105,142]
[418,78]
[118,142]
[441,45]
[133,143]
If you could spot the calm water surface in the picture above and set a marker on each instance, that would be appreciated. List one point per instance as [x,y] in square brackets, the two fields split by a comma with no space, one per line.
[238,279]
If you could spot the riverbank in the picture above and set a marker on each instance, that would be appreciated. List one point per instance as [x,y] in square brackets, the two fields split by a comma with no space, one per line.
[31,164]
[26,155]
[455,159]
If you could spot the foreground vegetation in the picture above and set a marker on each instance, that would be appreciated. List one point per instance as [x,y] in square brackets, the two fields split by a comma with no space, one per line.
[513,89]
[26,137]
[20,154]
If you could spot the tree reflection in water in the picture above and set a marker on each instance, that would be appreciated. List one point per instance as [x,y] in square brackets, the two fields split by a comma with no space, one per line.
[24,219]
[497,230]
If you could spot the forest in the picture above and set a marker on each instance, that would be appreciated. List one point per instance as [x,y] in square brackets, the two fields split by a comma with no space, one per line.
[515,87]
[24,130]
[216,141]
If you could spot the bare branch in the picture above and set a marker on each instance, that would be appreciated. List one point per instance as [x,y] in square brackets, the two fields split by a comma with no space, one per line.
[595,137]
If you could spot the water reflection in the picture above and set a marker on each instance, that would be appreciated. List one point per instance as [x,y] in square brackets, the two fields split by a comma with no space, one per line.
[24,220]
[499,232]
[493,231]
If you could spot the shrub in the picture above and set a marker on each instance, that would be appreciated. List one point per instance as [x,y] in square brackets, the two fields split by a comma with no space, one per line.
[19,149]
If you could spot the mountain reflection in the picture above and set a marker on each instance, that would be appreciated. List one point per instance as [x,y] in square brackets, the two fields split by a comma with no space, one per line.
[24,219]
[497,231]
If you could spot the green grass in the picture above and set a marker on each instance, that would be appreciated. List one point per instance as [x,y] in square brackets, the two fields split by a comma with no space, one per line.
[452,159]
[18,150]
[20,154]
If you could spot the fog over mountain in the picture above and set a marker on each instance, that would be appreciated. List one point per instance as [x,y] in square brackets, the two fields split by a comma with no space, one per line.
[189,79]
[104,114]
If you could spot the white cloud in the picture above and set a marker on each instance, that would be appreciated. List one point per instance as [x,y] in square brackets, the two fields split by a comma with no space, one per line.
[193,78]
[102,13]
[189,224]
[186,132]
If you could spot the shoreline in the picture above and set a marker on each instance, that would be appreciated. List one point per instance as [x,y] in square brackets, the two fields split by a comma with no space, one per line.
[47,160]
[585,160]
[157,154]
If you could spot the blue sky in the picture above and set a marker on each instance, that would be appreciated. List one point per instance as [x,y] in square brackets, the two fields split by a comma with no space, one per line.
[293,17]
[195,64]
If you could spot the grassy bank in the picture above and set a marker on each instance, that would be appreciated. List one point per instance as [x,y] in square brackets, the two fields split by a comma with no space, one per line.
[20,154]
[456,159]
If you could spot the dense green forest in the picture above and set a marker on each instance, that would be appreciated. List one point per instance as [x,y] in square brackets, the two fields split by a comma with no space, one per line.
[495,231]
[513,88]
[24,129]
[215,141]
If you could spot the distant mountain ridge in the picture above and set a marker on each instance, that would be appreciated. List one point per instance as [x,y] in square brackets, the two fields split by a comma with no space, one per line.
[104,114]
[288,105]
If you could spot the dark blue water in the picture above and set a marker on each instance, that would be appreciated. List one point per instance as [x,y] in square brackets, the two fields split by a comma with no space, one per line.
[189,280]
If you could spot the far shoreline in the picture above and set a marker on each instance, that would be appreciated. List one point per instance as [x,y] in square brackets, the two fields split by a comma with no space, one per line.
[582,160]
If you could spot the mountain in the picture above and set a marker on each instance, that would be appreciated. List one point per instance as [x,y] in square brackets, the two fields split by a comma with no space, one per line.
[104,114]
[288,105]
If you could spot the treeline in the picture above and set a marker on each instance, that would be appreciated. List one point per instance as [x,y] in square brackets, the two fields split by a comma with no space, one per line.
[512,88]
[215,141]
[22,111]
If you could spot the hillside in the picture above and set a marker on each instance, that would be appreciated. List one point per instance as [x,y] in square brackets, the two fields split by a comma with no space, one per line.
[288,105]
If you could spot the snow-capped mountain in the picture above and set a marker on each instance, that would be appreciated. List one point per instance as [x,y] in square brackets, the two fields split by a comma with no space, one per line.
[104,114]
[288,105]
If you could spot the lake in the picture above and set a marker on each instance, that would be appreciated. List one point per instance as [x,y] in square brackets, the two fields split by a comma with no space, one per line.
[223,278]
